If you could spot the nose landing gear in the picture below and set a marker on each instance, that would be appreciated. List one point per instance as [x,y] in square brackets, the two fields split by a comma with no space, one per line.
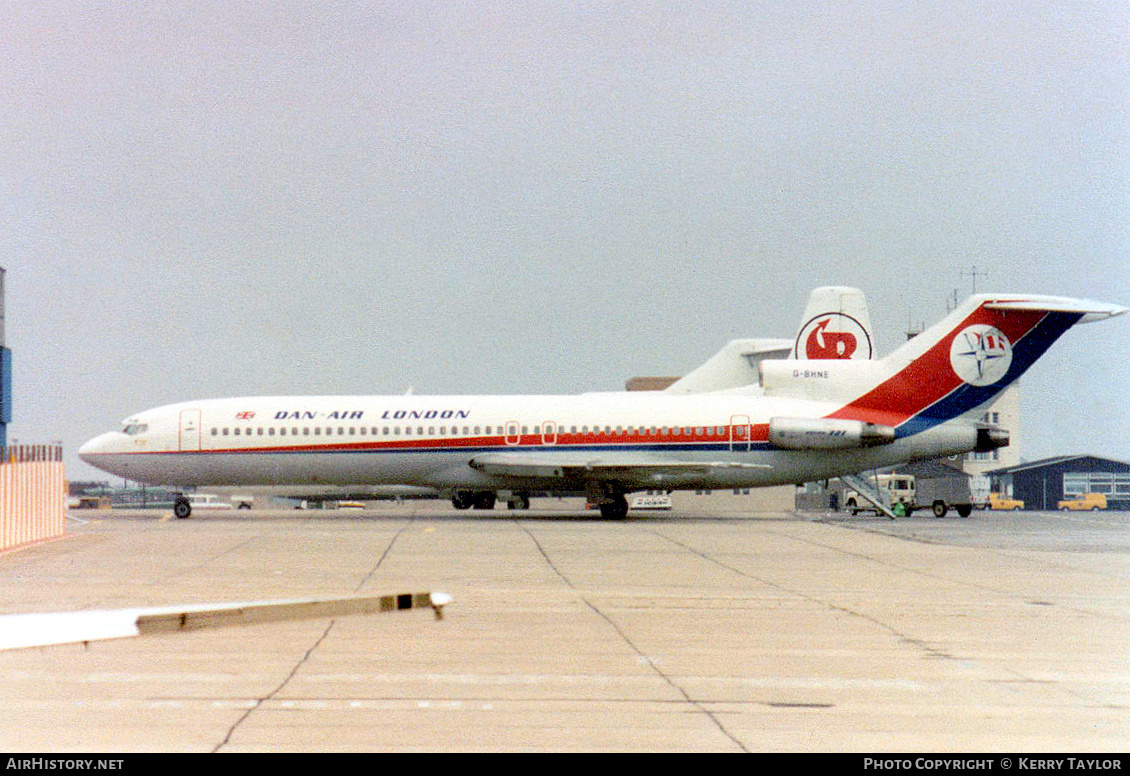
[182,508]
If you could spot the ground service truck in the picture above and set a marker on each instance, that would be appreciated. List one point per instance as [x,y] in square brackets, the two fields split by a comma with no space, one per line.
[908,493]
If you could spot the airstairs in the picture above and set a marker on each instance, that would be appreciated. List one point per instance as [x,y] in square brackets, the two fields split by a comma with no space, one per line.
[868,490]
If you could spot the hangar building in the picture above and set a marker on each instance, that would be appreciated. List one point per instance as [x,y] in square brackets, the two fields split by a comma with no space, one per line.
[1043,484]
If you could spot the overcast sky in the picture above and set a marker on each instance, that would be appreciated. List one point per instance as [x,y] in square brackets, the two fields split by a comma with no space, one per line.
[204,199]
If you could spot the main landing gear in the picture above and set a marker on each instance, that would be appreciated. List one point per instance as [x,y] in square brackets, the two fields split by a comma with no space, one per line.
[616,509]
[613,504]
[480,499]
[486,499]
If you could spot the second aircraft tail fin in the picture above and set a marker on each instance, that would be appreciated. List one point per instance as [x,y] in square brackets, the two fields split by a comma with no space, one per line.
[835,325]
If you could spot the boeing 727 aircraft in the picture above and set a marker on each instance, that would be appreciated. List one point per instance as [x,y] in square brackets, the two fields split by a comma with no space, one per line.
[803,421]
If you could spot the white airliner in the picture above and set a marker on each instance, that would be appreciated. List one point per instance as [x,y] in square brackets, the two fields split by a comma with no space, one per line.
[802,421]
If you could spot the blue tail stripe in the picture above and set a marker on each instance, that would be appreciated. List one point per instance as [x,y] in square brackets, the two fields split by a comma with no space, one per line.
[967,397]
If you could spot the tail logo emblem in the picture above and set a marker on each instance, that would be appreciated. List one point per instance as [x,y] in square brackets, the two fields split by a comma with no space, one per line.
[981,354]
[833,335]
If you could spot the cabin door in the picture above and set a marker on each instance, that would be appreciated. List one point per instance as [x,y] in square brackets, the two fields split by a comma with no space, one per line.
[739,433]
[189,430]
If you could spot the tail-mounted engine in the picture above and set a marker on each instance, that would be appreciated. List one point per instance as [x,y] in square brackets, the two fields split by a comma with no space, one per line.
[827,434]
[990,438]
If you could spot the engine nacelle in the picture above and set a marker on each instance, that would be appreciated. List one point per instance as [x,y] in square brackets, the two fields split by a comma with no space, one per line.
[990,438]
[827,434]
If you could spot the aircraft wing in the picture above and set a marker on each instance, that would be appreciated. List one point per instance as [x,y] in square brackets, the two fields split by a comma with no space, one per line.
[594,467]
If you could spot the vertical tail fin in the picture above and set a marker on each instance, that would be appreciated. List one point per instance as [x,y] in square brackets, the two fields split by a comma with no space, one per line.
[835,325]
[955,366]
[968,358]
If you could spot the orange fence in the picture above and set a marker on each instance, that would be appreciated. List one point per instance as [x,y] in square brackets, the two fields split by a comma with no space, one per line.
[33,496]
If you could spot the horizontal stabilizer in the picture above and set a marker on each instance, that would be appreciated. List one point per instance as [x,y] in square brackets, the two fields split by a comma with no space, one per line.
[734,366]
[1091,311]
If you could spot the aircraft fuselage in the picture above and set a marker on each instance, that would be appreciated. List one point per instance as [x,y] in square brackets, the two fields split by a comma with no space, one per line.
[430,440]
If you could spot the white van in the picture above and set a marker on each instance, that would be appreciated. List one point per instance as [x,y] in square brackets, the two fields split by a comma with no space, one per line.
[207,501]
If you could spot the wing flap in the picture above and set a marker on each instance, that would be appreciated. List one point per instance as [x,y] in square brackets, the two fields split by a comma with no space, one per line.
[549,465]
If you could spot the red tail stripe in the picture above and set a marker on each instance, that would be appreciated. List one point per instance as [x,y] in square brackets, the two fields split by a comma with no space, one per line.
[930,377]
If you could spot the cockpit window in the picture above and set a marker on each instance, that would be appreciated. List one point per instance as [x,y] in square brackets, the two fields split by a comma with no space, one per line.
[133,429]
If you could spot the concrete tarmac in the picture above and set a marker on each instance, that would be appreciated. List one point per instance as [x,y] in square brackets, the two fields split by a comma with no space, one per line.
[665,632]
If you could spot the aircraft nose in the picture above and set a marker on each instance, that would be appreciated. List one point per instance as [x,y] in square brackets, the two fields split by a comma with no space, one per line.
[101,444]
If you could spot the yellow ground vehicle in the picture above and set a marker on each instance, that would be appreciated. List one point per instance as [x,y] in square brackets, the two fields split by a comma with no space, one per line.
[998,501]
[1088,501]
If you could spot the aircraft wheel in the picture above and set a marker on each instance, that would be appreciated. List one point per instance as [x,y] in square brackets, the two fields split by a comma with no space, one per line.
[463,499]
[484,499]
[615,510]
[181,508]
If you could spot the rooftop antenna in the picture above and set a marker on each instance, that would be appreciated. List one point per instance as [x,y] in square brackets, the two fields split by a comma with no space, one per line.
[973,272]
[951,303]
